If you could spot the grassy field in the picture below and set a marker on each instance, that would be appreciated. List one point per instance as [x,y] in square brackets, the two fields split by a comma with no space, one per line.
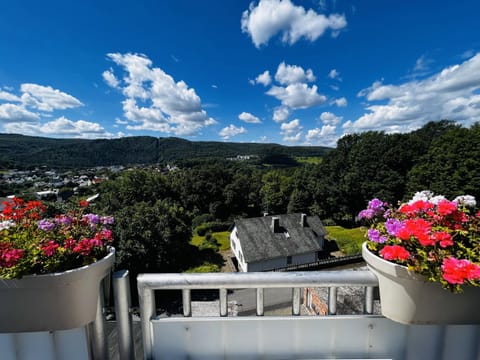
[308,160]
[210,251]
[221,237]
[348,240]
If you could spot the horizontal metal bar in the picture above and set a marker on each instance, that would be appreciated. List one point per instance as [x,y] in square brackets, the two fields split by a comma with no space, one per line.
[256,280]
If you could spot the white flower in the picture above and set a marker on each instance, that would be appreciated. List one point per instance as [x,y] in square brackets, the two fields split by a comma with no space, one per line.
[6,224]
[424,195]
[467,200]
[436,199]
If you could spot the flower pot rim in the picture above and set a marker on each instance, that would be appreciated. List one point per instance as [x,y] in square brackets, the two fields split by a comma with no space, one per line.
[107,258]
[388,267]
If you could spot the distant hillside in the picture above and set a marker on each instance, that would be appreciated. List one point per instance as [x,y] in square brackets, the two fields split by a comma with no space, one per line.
[25,151]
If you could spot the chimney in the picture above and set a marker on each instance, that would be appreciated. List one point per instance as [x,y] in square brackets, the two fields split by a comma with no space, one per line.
[303,220]
[275,224]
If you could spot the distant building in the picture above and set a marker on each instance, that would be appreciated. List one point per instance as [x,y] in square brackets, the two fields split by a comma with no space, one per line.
[275,242]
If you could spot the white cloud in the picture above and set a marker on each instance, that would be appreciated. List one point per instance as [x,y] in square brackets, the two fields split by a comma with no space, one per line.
[422,63]
[60,127]
[329,118]
[297,96]
[291,131]
[341,102]
[271,17]
[334,74]
[230,131]
[290,74]
[281,114]
[6,96]
[154,101]
[10,113]
[110,78]
[325,136]
[249,118]
[450,94]
[46,98]
[264,78]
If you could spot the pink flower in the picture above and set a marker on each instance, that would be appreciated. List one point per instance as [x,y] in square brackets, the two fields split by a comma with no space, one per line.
[442,237]
[456,271]
[446,207]
[49,248]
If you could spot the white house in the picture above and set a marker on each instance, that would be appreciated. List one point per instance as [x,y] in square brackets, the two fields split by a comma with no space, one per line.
[274,242]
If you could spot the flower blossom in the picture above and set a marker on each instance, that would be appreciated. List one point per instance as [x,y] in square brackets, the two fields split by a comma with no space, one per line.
[46,225]
[375,236]
[466,200]
[50,247]
[395,252]
[456,271]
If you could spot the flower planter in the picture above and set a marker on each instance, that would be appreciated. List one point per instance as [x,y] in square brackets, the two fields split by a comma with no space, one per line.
[407,298]
[50,302]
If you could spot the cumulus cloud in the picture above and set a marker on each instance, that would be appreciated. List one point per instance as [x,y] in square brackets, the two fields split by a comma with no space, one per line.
[60,127]
[450,94]
[325,136]
[46,98]
[249,118]
[110,78]
[291,131]
[10,113]
[297,96]
[334,74]
[341,102]
[281,114]
[329,118]
[290,74]
[155,101]
[6,96]
[264,78]
[271,17]
[231,130]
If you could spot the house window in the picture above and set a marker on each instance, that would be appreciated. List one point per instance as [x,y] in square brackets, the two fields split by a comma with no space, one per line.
[289,260]
[233,245]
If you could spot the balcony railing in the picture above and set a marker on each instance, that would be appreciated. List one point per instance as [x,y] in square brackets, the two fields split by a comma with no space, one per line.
[289,337]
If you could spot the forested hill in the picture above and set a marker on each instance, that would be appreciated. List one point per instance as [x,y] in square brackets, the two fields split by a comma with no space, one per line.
[24,151]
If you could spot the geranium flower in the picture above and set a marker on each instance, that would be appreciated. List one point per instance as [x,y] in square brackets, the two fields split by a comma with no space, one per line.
[33,244]
[438,238]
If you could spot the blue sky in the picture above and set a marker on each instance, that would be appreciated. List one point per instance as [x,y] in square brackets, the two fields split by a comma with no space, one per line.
[286,71]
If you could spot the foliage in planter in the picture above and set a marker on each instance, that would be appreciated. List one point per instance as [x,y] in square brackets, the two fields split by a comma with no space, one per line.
[31,243]
[432,236]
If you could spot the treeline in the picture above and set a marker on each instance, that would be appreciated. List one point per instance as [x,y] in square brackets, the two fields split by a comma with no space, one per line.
[155,212]
[29,152]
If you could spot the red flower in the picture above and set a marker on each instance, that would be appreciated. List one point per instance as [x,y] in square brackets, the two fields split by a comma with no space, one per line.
[419,228]
[445,207]
[442,237]
[50,247]
[456,271]
[83,203]
[394,252]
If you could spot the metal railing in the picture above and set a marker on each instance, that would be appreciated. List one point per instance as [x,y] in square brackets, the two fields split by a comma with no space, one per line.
[148,283]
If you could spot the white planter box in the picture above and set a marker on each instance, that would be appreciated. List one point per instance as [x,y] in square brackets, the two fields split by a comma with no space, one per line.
[52,302]
[407,298]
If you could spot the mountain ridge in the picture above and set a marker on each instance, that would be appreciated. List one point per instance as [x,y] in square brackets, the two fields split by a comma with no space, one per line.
[26,151]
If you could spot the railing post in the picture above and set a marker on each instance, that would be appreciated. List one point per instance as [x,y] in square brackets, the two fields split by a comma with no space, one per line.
[296,301]
[369,300]
[223,302]
[121,292]
[147,311]
[332,300]
[96,330]
[260,302]
[187,302]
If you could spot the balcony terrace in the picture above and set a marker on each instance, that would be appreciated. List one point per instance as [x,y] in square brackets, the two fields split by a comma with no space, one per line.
[296,336]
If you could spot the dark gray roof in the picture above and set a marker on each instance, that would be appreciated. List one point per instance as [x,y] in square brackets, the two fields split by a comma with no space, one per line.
[259,242]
